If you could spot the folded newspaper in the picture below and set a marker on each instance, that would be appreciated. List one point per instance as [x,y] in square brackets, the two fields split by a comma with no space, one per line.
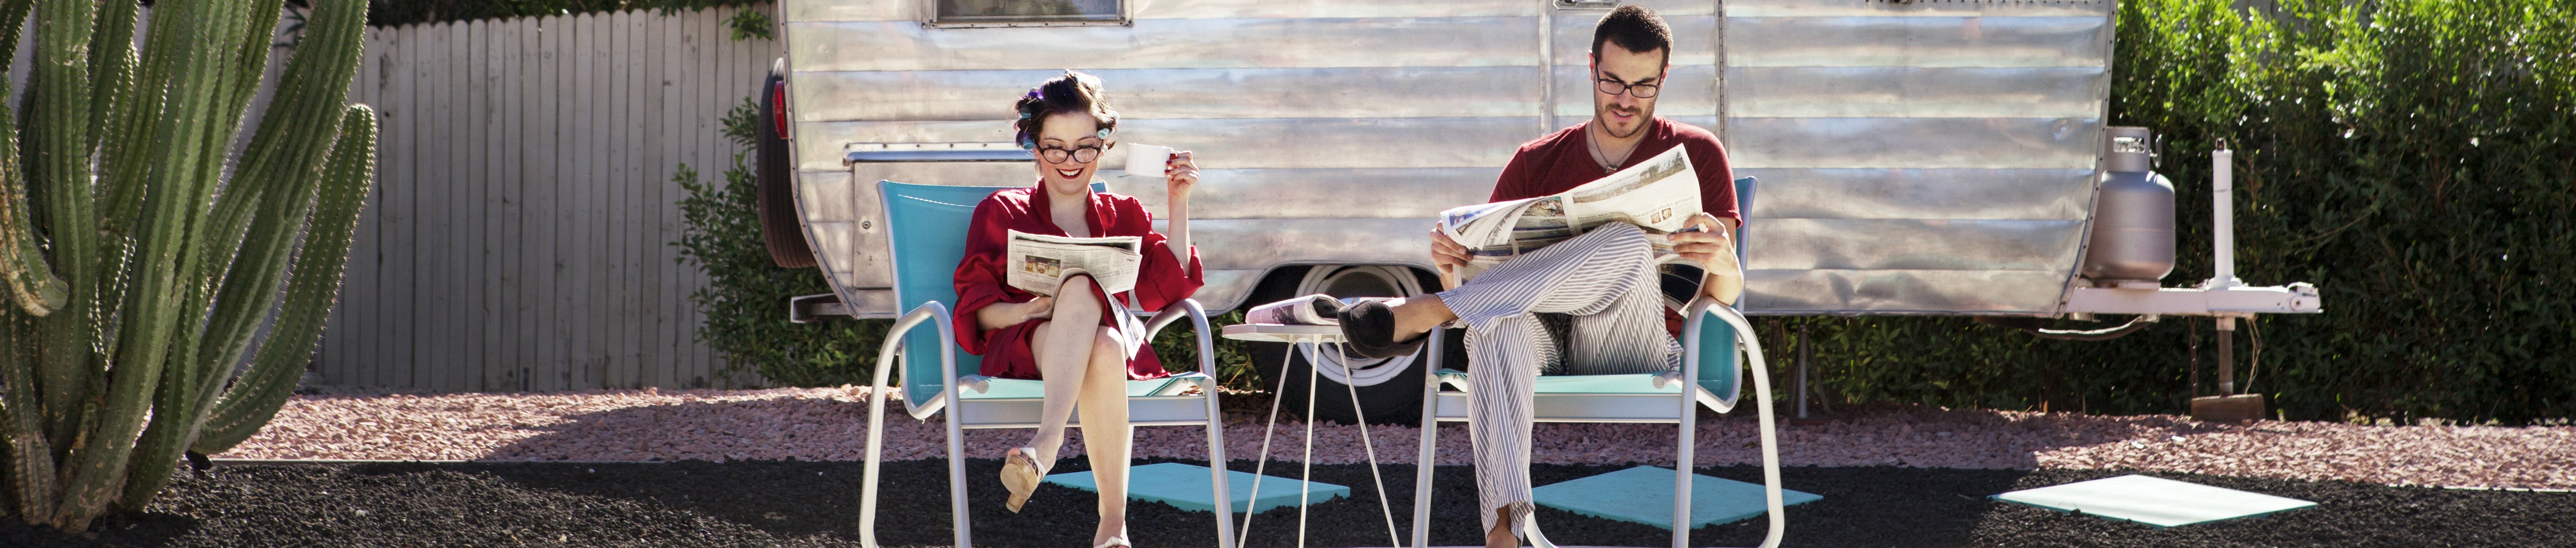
[1316,309]
[1038,263]
[1659,195]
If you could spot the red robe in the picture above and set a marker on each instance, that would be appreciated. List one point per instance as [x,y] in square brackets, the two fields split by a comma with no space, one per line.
[981,282]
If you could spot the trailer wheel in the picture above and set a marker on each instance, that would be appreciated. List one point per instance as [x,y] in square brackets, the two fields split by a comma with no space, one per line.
[1390,390]
[774,180]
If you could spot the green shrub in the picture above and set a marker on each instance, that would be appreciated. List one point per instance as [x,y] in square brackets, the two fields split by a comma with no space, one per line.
[2412,158]
[1179,348]
[745,300]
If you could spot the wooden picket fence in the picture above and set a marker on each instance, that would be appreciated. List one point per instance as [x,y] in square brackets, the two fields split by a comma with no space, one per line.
[518,236]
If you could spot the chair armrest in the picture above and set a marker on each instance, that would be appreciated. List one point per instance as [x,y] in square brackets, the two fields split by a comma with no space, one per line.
[1700,310]
[1702,307]
[1188,308]
[935,314]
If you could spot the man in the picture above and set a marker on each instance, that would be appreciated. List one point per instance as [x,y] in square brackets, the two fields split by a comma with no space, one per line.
[1586,306]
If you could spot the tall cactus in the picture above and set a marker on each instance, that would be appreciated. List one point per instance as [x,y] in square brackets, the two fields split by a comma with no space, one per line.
[138,272]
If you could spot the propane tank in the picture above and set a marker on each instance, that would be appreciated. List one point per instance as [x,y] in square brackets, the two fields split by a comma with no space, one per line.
[2133,214]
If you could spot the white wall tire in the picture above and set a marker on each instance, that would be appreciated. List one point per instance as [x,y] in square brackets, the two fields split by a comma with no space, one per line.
[1390,389]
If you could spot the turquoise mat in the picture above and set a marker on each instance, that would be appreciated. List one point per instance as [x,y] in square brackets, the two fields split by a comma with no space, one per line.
[1645,495]
[2153,501]
[1186,487]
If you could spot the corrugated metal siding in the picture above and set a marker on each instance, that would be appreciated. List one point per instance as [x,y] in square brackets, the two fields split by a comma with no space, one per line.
[1359,119]
[517,236]
[1917,157]
[1924,157]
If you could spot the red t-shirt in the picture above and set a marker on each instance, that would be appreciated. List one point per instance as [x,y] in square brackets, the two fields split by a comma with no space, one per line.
[1563,160]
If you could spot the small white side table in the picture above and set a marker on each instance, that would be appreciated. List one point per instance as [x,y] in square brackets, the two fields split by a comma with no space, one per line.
[1302,336]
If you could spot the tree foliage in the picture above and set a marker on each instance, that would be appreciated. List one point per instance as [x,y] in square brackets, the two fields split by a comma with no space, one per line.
[2411,158]
[745,300]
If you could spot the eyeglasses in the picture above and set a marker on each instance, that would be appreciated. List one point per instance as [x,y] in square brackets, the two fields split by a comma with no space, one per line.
[1080,155]
[1615,87]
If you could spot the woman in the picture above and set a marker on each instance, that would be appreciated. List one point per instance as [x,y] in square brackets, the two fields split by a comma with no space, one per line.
[1084,345]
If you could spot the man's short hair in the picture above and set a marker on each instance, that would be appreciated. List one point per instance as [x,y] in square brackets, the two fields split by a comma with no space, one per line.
[1634,28]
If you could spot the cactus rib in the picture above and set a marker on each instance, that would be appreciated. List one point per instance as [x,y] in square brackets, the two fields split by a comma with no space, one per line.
[137,267]
[166,277]
[276,186]
[309,294]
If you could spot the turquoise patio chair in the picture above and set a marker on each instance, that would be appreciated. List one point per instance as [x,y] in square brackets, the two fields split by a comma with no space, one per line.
[1717,353]
[926,228]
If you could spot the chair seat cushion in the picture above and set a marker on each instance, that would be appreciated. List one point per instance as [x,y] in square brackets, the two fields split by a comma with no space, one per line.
[1635,383]
[1003,389]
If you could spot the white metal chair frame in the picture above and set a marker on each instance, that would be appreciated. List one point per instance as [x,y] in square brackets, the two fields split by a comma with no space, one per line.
[1163,408]
[1623,408]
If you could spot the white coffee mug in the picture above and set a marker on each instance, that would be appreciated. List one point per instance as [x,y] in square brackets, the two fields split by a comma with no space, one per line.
[1147,160]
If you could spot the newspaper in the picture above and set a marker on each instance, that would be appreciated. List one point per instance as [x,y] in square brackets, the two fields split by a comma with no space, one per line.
[1659,195]
[1038,263]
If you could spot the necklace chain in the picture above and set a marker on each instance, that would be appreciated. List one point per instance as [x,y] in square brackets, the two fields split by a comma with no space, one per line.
[1607,166]
[1598,155]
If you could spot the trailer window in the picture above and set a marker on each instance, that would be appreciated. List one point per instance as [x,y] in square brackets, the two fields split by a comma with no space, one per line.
[1022,12]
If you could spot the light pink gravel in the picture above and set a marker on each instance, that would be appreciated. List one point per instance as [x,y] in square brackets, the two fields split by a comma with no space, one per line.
[830,424]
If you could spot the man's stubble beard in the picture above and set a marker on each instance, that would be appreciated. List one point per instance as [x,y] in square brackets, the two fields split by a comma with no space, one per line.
[1601,117]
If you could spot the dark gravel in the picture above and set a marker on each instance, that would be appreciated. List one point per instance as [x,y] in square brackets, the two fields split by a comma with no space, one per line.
[814,504]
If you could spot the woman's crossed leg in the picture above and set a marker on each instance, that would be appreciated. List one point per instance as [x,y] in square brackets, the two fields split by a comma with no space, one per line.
[1084,367]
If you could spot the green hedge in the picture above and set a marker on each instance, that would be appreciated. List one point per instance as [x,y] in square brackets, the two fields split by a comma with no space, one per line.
[2412,158]
[745,300]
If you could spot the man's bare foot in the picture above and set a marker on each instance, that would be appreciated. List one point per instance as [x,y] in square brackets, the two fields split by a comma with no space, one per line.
[1417,314]
[1501,536]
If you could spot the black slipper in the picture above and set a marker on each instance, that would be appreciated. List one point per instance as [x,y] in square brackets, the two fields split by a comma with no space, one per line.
[1370,327]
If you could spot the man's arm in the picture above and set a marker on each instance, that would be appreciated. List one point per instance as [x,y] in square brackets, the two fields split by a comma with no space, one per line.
[1725,279]
[1713,246]
[1446,254]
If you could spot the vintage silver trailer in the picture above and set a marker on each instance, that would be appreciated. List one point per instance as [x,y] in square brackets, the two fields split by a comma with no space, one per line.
[1935,157]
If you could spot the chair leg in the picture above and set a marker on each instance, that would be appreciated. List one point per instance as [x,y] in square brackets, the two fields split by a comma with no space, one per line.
[1686,459]
[1686,446]
[1423,461]
[1217,468]
[1770,432]
[877,394]
[868,485]
[957,468]
[1536,539]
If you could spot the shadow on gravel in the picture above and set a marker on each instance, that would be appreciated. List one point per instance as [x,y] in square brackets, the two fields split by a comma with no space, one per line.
[144,529]
[776,427]
[772,503]
[2347,514]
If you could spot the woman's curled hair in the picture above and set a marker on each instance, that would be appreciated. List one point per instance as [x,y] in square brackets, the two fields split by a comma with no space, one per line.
[1074,91]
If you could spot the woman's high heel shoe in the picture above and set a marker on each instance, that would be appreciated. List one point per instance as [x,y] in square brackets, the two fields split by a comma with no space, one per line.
[1020,474]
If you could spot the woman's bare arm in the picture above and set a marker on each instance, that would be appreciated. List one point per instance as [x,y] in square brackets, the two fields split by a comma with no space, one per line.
[1184,174]
[1001,315]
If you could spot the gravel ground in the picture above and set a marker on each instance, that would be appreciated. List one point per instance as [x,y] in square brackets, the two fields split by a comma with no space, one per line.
[774,503]
[829,424]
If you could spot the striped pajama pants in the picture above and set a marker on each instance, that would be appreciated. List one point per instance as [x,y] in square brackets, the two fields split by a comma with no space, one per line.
[1586,306]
